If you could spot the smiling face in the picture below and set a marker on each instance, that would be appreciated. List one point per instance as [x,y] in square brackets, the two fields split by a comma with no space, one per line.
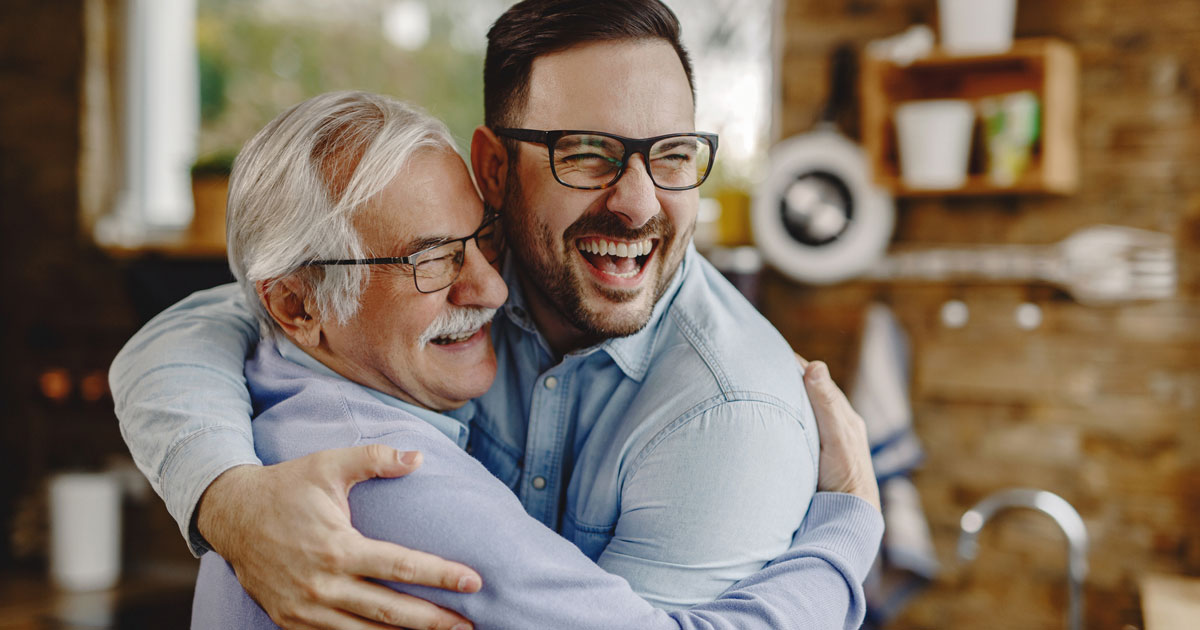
[384,345]
[594,262]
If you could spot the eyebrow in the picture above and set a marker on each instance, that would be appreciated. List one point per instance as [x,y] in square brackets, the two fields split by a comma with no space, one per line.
[419,245]
[590,141]
[678,142]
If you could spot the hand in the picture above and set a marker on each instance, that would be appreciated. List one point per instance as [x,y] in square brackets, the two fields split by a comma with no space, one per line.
[845,464]
[286,531]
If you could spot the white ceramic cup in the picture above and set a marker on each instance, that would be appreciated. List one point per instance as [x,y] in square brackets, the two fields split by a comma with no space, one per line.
[976,26]
[85,531]
[935,142]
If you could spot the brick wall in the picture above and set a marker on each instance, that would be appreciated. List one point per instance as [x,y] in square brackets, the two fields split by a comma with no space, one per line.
[66,304]
[1100,405]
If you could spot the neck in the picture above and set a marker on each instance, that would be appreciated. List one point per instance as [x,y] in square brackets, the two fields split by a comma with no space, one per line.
[562,336]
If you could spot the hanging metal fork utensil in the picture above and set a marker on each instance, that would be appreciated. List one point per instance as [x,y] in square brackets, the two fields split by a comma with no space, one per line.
[1098,265]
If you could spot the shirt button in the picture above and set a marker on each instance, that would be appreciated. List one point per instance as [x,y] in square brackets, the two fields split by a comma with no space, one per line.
[551,382]
[539,483]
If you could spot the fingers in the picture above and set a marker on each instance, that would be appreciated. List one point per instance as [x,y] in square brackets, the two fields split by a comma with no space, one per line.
[378,606]
[331,619]
[837,422]
[327,619]
[302,560]
[845,457]
[360,463]
[391,562]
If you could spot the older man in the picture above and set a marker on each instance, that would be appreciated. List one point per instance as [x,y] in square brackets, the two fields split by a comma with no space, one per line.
[643,409]
[344,221]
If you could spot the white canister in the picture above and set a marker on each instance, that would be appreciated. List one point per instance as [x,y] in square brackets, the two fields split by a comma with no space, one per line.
[934,139]
[85,531]
[976,27]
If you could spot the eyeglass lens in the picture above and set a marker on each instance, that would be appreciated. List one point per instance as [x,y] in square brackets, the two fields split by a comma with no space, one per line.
[595,161]
[439,267]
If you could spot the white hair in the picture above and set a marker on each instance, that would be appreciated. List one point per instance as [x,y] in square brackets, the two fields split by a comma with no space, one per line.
[297,184]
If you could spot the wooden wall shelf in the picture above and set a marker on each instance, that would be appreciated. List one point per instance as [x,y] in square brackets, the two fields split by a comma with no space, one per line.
[1047,67]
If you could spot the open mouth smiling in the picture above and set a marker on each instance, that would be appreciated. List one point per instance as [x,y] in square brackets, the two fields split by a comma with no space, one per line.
[618,259]
[456,338]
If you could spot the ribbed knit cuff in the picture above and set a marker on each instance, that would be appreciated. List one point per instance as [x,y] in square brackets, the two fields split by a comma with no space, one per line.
[845,525]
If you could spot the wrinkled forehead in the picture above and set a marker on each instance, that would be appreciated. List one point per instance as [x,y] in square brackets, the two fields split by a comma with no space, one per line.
[432,198]
[631,87]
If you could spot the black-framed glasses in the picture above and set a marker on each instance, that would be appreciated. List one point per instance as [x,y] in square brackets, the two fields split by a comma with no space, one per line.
[592,160]
[437,267]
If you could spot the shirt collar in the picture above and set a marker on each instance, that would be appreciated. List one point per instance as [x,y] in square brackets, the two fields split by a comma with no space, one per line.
[453,429]
[516,309]
[633,353]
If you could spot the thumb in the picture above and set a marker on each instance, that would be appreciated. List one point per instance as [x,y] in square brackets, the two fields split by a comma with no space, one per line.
[359,463]
[820,387]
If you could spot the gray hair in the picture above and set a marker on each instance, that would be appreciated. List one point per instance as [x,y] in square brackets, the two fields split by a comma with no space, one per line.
[298,183]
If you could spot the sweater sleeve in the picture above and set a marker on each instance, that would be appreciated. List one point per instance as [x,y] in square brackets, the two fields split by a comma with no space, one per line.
[533,578]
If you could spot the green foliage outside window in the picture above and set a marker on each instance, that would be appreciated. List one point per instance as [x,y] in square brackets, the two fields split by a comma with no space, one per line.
[256,58]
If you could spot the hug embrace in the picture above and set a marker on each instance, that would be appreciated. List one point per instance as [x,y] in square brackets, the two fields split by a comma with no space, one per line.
[541,408]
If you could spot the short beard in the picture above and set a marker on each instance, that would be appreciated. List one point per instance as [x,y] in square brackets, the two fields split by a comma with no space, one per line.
[534,247]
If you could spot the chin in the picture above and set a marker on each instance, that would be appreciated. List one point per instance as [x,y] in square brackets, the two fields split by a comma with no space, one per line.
[619,320]
[470,383]
[607,312]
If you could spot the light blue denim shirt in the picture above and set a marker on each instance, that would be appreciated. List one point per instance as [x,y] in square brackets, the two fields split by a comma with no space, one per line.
[682,457]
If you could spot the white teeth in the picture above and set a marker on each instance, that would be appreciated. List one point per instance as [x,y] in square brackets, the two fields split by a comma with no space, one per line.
[602,247]
[457,337]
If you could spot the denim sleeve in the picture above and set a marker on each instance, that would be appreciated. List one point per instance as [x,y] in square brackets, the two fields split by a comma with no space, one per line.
[711,499]
[533,578]
[181,398]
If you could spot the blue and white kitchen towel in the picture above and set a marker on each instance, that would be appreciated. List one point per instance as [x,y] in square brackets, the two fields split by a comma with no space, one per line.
[907,560]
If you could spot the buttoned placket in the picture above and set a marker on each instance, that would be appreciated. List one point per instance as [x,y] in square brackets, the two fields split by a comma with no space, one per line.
[555,398]
[541,485]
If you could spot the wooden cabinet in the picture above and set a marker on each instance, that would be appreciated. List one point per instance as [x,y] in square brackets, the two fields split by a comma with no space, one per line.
[1047,67]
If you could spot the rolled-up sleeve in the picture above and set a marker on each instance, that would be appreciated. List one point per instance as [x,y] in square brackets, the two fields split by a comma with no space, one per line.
[181,399]
[711,499]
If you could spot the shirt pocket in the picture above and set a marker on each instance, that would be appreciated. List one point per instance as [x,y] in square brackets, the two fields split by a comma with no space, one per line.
[590,539]
[500,460]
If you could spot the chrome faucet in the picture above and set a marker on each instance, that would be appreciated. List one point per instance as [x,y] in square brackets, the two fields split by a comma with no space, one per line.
[1053,506]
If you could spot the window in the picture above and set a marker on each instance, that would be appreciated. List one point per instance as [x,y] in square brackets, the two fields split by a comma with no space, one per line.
[202,76]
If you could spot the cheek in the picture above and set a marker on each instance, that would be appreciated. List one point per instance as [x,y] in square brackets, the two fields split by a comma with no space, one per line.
[397,317]
[541,209]
[682,213]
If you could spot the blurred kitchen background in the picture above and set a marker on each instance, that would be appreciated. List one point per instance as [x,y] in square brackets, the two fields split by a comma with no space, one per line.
[983,214]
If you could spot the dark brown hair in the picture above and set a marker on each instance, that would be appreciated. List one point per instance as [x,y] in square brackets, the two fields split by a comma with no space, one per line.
[533,28]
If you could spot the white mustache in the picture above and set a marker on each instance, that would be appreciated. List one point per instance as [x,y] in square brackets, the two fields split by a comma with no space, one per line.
[457,321]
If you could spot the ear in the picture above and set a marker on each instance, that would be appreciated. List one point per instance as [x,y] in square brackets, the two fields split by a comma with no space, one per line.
[286,301]
[489,162]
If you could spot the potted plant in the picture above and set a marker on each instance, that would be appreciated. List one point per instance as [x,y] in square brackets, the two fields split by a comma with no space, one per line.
[210,188]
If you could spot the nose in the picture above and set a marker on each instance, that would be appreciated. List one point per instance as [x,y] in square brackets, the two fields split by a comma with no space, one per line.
[634,196]
[478,284]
